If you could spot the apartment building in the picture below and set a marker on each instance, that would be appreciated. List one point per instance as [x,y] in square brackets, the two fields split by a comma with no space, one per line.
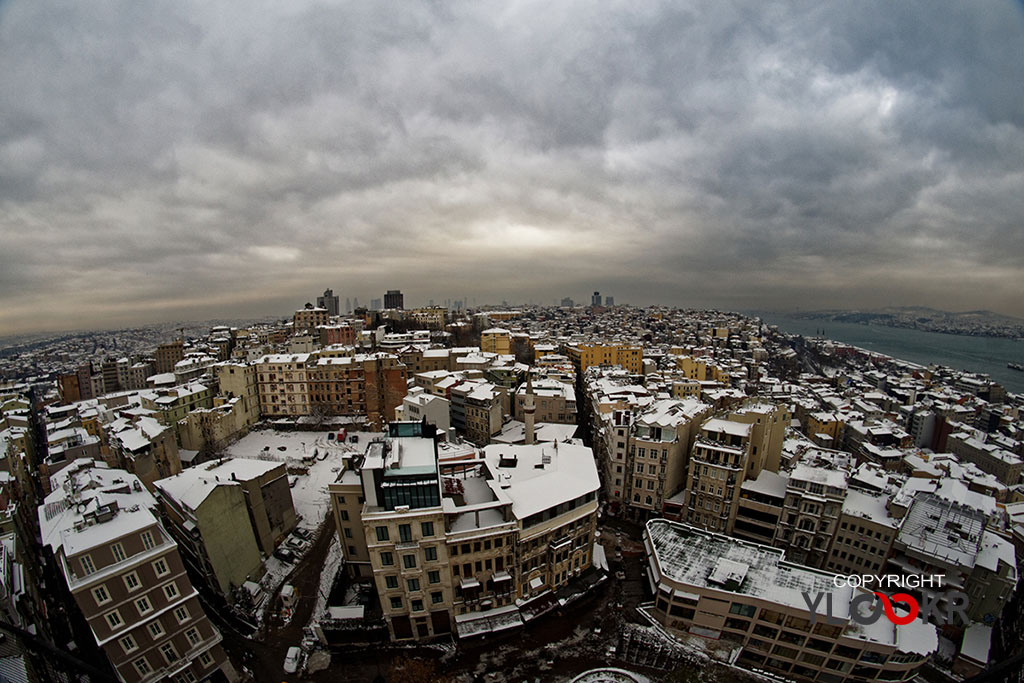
[167,356]
[283,384]
[496,340]
[477,410]
[419,405]
[146,449]
[208,519]
[990,457]
[310,317]
[729,451]
[128,579]
[373,385]
[554,401]
[941,536]
[453,545]
[810,514]
[174,404]
[337,334]
[402,523]
[751,597]
[865,535]
[760,507]
[660,440]
[627,356]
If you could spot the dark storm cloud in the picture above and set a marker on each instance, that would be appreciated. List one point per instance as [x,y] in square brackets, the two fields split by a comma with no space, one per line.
[167,158]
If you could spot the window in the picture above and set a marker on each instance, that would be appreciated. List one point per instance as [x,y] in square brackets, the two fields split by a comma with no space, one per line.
[436,597]
[382,533]
[147,540]
[156,629]
[142,666]
[87,566]
[414,585]
[427,529]
[409,561]
[185,676]
[143,605]
[114,619]
[194,637]
[181,614]
[405,533]
[161,568]
[205,659]
[128,644]
[101,595]
[387,559]
[741,609]
[431,553]
[417,605]
[434,577]
[344,515]
[169,653]
[348,532]
[118,550]
[396,603]
[391,581]
[131,581]
[171,591]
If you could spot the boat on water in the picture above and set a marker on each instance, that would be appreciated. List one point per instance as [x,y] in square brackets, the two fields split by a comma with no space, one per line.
[1015,366]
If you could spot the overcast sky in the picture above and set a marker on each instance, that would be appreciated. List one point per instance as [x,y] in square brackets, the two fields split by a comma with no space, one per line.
[163,159]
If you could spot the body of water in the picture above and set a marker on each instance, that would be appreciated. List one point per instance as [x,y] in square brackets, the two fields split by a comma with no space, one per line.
[976,354]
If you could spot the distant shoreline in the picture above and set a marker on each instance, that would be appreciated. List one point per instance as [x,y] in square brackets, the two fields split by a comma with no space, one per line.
[964,329]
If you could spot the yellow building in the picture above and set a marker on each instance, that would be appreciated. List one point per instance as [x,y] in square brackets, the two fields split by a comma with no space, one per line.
[496,340]
[626,356]
[692,367]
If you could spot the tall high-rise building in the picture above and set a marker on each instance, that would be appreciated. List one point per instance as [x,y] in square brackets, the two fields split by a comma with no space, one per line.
[394,299]
[348,306]
[375,305]
[328,301]
[609,301]
[596,299]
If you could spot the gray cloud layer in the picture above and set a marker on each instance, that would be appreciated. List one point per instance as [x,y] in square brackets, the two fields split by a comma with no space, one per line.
[172,159]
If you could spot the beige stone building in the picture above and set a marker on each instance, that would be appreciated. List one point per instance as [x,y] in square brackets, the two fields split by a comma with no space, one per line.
[496,340]
[128,579]
[747,598]
[309,318]
[554,401]
[147,449]
[451,547]
[283,384]
[729,451]
[210,522]
[864,536]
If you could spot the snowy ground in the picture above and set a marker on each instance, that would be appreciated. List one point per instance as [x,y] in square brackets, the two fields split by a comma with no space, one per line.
[332,563]
[316,462]
[311,451]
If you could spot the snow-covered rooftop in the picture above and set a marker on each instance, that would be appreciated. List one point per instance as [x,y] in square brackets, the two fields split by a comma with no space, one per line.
[543,476]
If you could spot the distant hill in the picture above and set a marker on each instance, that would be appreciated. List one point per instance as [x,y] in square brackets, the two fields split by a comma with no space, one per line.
[969,323]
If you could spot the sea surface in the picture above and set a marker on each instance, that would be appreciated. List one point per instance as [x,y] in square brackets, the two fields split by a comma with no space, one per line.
[988,355]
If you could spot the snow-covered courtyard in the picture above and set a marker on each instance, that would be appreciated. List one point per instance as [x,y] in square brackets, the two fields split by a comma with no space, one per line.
[321,458]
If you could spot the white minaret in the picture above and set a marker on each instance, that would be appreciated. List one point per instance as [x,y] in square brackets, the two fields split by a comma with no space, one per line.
[529,407]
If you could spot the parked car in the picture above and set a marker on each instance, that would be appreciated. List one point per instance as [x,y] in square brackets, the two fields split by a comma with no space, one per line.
[297,544]
[284,554]
[303,533]
[291,660]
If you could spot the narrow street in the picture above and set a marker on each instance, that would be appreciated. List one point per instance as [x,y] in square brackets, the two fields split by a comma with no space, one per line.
[264,654]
